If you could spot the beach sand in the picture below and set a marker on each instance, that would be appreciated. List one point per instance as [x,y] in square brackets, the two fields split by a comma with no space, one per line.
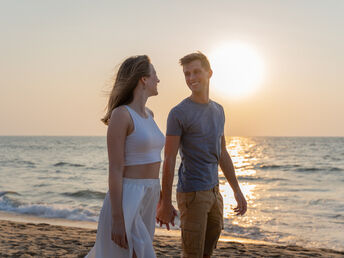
[27,239]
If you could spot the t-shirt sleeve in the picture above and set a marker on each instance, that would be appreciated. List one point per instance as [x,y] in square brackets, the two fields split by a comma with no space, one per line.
[174,125]
[223,114]
[223,118]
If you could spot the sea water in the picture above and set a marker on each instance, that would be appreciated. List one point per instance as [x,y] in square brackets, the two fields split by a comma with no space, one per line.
[294,186]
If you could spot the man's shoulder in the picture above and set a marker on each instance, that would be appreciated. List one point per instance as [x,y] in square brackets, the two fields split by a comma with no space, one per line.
[217,104]
[180,107]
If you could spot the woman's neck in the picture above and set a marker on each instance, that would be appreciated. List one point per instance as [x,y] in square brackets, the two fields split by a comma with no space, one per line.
[139,104]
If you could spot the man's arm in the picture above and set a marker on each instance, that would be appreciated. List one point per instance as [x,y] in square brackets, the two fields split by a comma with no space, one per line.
[227,167]
[166,211]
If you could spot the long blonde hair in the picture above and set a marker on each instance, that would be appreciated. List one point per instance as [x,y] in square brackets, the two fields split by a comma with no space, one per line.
[128,76]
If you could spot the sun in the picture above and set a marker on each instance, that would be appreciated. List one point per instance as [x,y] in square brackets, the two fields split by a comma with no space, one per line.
[238,70]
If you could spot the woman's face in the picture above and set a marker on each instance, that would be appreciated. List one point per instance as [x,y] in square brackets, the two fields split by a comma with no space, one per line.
[152,82]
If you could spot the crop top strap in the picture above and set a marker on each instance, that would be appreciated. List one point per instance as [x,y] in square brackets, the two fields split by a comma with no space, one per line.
[133,113]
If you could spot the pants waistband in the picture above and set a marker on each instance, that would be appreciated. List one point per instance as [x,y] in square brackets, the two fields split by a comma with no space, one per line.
[148,181]
[215,189]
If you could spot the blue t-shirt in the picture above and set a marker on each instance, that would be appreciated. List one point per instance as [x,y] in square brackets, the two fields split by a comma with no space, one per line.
[201,129]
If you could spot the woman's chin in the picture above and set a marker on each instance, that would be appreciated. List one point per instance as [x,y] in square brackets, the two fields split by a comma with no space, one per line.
[154,94]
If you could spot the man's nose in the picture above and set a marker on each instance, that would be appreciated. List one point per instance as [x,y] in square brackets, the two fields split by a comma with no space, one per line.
[192,77]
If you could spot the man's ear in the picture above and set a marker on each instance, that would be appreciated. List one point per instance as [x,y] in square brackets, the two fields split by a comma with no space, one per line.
[210,73]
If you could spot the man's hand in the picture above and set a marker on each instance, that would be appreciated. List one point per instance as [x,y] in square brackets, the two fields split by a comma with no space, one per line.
[165,214]
[242,204]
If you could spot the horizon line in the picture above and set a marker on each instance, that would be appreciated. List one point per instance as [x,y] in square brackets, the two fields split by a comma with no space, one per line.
[296,136]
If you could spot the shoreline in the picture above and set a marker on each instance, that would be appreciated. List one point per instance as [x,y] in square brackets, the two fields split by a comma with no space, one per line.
[30,236]
[24,218]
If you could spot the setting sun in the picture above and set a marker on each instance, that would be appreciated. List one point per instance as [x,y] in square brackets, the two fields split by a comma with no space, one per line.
[237,69]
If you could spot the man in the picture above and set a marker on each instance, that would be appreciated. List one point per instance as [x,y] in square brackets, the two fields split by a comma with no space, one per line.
[196,127]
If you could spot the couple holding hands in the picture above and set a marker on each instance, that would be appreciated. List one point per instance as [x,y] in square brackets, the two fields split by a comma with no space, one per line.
[134,201]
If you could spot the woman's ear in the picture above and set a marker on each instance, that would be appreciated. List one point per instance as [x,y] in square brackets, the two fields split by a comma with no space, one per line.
[143,80]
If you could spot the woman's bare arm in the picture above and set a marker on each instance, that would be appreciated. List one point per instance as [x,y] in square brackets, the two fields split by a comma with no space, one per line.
[119,126]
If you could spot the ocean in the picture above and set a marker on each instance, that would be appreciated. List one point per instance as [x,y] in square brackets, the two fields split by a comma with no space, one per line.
[294,185]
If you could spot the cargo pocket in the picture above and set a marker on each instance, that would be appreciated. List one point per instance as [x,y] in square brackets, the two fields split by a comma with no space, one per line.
[219,200]
[190,198]
[191,237]
[184,200]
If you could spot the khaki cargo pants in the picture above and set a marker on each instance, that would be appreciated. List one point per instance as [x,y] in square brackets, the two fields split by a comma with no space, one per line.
[201,221]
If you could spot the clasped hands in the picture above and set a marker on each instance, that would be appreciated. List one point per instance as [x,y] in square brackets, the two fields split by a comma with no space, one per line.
[165,214]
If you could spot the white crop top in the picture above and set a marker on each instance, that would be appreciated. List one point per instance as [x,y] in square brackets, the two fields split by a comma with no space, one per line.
[144,144]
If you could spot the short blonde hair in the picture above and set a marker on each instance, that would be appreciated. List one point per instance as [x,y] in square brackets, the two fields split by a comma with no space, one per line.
[196,56]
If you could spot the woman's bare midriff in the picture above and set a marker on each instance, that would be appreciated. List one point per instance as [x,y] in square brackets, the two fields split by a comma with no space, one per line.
[145,171]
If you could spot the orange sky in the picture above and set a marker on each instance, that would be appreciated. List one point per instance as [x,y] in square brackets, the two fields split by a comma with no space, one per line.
[58,58]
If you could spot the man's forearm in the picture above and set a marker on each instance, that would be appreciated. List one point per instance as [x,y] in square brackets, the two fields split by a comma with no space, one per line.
[167,180]
[228,170]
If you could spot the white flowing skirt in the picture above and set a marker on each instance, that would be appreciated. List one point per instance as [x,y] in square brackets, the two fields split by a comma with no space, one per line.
[140,198]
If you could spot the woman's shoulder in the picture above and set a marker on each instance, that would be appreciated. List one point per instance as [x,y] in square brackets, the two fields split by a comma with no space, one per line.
[120,113]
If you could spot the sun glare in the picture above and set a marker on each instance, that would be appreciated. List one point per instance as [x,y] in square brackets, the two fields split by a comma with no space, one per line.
[237,70]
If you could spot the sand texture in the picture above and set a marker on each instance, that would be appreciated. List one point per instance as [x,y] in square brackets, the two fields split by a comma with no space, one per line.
[45,240]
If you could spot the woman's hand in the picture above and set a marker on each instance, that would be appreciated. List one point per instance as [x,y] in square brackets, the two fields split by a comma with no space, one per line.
[118,235]
[165,214]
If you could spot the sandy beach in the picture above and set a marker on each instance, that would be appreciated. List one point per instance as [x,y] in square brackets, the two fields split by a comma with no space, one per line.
[36,239]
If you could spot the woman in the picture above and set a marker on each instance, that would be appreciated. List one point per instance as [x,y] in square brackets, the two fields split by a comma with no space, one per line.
[127,220]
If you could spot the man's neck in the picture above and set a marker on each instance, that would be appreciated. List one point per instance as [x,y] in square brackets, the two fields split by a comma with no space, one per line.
[201,98]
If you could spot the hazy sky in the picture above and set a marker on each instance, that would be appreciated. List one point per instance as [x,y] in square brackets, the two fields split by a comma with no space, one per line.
[58,59]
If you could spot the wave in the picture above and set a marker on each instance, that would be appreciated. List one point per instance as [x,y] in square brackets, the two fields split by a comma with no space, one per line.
[297,168]
[17,163]
[8,192]
[273,166]
[318,169]
[308,169]
[41,185]
[252,232]
[320,201]
[299,190]
[67,164]
[269,166]
[335,169]
[86,194]
[47,211]
[246,232]
[337,216]
[265,179]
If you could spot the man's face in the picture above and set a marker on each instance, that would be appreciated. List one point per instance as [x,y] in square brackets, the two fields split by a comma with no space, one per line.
[196,77]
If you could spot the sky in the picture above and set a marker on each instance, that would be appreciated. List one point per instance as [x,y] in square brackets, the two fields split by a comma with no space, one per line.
[58,60]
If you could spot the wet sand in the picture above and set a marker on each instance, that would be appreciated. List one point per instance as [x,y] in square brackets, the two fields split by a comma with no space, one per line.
[19,239]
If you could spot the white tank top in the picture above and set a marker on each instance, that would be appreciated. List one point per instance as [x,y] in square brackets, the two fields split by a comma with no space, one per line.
[144,144]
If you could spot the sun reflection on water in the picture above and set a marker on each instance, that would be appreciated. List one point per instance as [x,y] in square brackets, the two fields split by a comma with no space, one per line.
[229,200]
[239,150]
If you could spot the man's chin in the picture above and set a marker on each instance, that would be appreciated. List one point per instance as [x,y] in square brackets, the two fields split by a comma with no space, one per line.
[196,89]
